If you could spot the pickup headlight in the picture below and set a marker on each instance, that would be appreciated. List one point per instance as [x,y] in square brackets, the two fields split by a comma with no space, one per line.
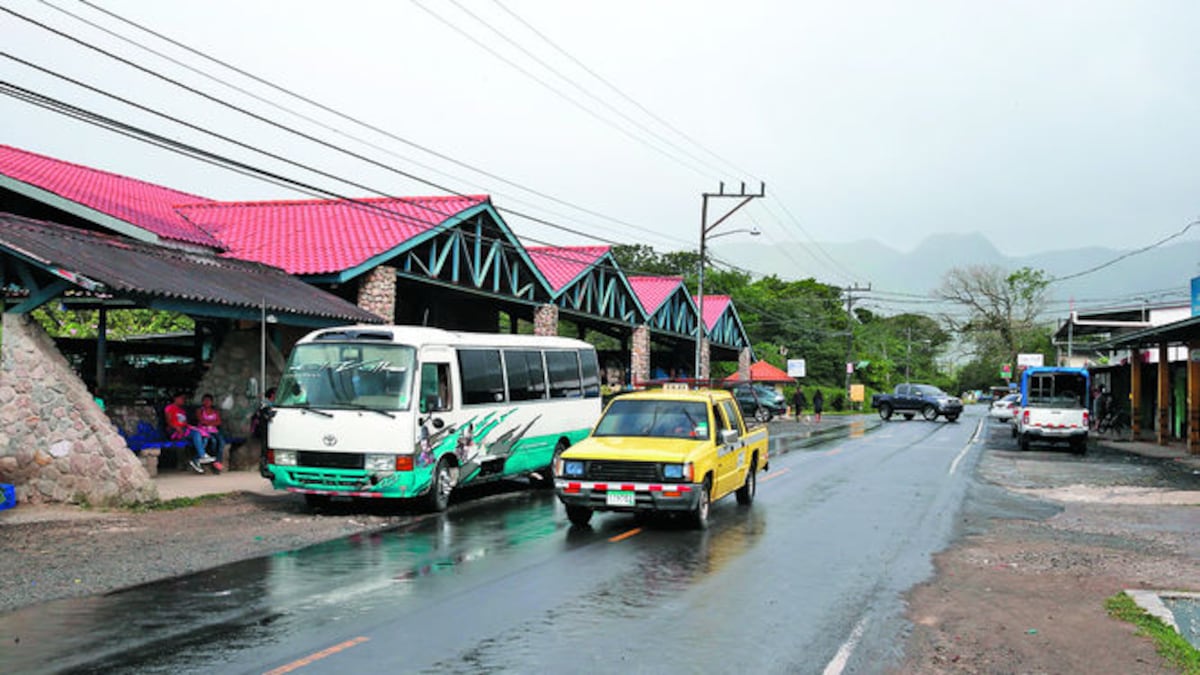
[285,457]
[683,472]
[380,463]
[572,468]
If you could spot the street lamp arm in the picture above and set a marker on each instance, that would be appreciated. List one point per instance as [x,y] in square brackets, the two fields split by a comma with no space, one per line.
[752,231]
[725,217]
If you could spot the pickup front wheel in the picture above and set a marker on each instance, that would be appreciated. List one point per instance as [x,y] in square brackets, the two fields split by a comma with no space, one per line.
[579,516]
[929,413]
[745,494]
[885,412]
[699,515]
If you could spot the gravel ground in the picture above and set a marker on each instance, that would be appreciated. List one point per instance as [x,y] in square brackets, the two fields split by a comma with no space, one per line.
[52,552]
[1047,539]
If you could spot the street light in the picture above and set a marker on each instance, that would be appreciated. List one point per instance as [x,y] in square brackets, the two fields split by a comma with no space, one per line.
[705,230]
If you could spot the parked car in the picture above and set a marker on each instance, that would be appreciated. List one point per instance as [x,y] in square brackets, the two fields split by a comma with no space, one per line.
[911,399]
[1004,409]
[665,450]
[759,402]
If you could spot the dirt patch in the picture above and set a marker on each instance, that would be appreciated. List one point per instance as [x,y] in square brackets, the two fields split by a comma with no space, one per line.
[1027,596]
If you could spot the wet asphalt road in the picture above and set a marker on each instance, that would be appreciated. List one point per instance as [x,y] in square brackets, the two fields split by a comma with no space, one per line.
[808,578]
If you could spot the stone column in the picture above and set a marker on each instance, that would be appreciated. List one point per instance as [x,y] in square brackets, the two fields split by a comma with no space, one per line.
[1193,399]
[705,356]
[1135,392]
[1163,433]
[545,320]
[377,292]
[639,356]
[744,364]
[56,445]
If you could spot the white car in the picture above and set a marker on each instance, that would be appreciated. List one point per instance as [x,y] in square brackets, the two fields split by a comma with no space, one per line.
[1004,409]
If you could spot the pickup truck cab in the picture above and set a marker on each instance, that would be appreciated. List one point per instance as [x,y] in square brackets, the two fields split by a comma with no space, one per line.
[913,399]
[1053,407]
[663,450]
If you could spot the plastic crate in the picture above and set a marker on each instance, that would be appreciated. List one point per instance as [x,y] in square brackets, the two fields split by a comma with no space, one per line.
[8,496]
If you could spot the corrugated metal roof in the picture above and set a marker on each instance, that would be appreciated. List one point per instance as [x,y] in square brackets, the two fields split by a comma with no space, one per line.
[322,236]
[714,307]
[652,292]
[563,264]
[128,267]
[144,205]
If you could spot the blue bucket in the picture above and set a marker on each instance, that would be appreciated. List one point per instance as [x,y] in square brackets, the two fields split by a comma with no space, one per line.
[8,496]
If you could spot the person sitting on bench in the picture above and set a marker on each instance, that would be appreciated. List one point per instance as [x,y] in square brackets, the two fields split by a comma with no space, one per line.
[209,422]
[178,428]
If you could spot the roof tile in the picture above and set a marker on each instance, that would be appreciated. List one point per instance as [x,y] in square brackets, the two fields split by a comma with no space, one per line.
[652,292]
[563,264]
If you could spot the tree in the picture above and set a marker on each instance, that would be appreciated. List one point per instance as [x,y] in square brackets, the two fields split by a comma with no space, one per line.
[1002,308]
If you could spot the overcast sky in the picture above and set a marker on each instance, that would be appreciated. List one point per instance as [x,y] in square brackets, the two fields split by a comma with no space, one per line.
[1041,124]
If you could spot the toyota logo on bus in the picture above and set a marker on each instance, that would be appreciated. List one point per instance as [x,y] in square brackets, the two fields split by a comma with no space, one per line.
[329,440]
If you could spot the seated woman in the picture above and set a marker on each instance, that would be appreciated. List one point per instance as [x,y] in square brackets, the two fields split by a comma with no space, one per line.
[209,419]
[178,428]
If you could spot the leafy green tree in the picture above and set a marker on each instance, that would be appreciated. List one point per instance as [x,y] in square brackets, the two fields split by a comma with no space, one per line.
[121,323]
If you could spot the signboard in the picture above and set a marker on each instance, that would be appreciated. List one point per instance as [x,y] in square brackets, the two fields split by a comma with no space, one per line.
[1006,371]
[858,393]
[796,368]
[849,367]
[1195,296]
[1031,360]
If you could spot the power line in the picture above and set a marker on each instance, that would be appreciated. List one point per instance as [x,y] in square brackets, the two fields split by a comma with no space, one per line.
[330,110]
[1127,254]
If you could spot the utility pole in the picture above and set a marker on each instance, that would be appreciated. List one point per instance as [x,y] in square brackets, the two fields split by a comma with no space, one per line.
[705,228]
[850,291]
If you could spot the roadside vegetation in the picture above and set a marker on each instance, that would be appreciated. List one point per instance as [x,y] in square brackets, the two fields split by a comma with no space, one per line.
[1170,644]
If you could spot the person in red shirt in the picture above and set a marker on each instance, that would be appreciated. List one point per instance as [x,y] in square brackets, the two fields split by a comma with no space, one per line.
[178,427]
[209,421]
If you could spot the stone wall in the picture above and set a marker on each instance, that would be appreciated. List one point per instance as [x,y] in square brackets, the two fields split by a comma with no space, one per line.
[705,356]
[545,320]
[56,445]
[744,364]
[377,292]
[234,363]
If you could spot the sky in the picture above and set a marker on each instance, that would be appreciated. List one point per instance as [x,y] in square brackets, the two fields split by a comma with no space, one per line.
[1041,125]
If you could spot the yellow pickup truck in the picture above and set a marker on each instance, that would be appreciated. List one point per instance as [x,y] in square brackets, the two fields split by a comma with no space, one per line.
[663,450]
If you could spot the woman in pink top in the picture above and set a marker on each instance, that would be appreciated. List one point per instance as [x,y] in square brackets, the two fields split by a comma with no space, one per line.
[209,421]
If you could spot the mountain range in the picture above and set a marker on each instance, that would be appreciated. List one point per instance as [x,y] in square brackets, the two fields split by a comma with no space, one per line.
[1157,276]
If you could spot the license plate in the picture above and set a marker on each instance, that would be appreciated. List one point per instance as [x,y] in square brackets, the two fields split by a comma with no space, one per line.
[619,499]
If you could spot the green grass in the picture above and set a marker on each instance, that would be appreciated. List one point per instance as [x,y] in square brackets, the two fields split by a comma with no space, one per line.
[172,504]
[1171,645]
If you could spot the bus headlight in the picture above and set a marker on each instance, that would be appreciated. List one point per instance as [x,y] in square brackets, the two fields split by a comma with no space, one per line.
[572,468]
[285,457]
[380,463]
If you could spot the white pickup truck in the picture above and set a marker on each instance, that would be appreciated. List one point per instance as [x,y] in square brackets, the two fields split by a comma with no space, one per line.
[1053,408]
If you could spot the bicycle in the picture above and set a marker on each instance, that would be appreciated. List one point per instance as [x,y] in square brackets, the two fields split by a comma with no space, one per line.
[1115,420]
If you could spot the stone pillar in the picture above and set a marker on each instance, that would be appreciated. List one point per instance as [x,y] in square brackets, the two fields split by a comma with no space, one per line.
[545,320]
[227,379]
[377,292]
[1163,432]
[56,445]
[639,356]
[744,364]
[1135,392]
[1193,399]
[705,355]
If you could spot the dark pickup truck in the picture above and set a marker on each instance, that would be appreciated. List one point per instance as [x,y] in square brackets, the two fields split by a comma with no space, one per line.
[911,399]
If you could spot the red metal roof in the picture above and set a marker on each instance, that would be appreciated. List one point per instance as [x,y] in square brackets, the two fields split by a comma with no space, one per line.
[652,292]
[761,371]
[145,205]
[322,236]
[714,307]
[563,264]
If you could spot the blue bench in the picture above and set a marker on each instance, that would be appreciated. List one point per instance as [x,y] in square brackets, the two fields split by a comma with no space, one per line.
[149,436]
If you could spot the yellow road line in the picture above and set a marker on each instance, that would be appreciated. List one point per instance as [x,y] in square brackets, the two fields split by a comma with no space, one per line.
[774,474]
[313,658]
[625,535]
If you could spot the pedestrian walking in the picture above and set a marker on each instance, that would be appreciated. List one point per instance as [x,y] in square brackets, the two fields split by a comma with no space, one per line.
[818,405]
[799,402]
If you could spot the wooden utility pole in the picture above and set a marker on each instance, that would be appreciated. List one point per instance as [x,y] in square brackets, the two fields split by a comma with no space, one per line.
[850,291]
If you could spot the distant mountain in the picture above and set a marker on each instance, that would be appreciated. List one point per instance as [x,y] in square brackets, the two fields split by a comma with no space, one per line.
[1158,274]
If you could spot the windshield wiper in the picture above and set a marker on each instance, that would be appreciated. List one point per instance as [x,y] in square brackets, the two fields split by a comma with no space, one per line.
[308,408]
[359,406]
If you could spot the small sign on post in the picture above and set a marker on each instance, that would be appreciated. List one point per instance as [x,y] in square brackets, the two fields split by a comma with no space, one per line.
[1030,360]
[796,368]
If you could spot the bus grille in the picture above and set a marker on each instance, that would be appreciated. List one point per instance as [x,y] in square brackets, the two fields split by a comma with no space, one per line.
[624,471]
[328,481]
[330,460]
